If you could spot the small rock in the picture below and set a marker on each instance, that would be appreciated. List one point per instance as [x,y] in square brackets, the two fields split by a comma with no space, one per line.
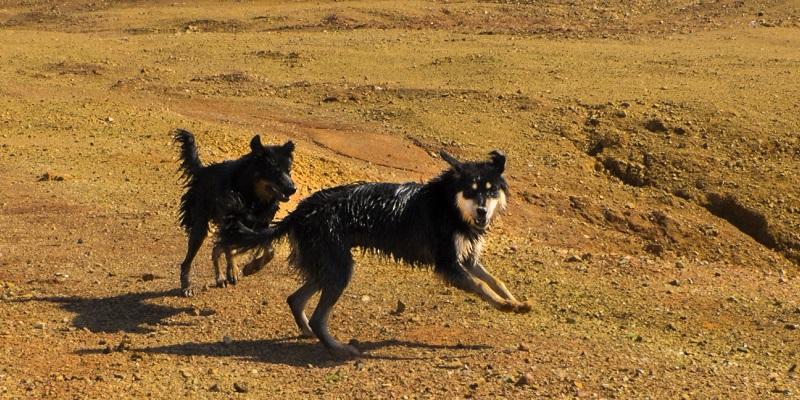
[47,176]
[240,387]
[215,388]
[227,340]
[39,325]
[791,327]
[574,258]
[148,277]
[655,125]
[330,99]
[675,282]
[525,379]
[399,309]
[109,119]
[365,298]
[783,391]
[620,114]
[679,264]
[523,347]
[743,349]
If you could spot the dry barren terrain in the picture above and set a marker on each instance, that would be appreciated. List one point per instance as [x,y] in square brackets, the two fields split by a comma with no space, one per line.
[654,223]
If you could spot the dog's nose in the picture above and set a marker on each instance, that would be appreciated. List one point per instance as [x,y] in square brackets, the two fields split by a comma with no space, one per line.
[481,211]
[292,190]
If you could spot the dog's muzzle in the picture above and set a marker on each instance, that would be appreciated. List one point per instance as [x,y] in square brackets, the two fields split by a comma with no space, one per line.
[480,217]
[286,193]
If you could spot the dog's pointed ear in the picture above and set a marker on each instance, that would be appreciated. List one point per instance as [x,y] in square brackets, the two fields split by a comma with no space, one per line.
[451,160]
[498,160]
[255,144]
[288,147]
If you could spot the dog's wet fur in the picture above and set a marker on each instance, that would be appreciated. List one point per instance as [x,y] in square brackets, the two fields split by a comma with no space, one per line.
[440,223]
[254,185]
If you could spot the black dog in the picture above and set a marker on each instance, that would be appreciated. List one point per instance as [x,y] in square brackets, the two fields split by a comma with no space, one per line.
[257,181]
[440,223]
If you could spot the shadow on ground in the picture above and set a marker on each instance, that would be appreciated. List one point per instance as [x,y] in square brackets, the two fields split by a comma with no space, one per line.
[291,351]
[130,313]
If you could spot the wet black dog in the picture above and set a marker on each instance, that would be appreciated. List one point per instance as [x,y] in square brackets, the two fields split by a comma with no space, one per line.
[257,182]
[440,223]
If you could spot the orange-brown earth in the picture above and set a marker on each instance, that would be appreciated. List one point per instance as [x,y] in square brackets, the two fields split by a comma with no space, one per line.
[653,159]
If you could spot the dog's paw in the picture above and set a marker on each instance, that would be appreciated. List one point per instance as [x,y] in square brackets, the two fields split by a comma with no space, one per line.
[523,307]
[306,333]
[222,282]
[187,291]
[506,306]
[252,267]
[232,279]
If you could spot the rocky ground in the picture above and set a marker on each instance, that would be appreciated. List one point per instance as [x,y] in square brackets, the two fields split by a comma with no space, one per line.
[653,160]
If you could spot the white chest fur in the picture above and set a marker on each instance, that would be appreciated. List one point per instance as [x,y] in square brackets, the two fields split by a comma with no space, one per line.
[466,248]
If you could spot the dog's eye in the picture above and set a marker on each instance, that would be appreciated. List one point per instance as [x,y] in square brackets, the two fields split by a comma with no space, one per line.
[494,192]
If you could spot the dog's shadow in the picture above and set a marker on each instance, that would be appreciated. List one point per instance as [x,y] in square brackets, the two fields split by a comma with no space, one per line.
[129,313]
[292,351]
[132,313]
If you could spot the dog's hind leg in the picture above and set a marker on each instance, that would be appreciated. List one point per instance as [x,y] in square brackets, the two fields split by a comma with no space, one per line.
[196,237]
[216,253]
[332,285]
[297,303]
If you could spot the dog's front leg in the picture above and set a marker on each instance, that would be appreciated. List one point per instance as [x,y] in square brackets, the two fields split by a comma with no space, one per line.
[479,271]
[263,257]
[459,277]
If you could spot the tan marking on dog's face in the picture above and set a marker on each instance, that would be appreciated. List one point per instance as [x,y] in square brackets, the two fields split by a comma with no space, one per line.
[495,205]
[264,190]
[467,208]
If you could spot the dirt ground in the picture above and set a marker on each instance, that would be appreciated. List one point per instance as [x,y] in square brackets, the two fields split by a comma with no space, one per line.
[654,153]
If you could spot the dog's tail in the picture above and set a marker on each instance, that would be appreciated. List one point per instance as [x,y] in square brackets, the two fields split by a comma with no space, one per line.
[190,160]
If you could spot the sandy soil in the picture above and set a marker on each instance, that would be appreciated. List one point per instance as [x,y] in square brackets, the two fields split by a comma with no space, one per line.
[653,153]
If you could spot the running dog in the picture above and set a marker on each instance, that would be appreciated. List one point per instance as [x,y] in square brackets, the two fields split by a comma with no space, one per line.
[256,182]
[440,223]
